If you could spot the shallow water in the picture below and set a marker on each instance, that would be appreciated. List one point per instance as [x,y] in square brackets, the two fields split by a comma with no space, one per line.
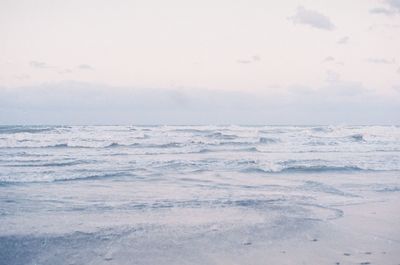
[198,194]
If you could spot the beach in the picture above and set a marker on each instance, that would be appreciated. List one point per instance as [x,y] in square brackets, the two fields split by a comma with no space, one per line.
[200,195]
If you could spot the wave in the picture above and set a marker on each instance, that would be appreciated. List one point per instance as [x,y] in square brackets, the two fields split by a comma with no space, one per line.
[8,181]
[324,188]
[219,135]
[51,164]
[274,131]
[303,169]
[167,145]
[298,150]
[62,145]
[233,143]
[196,131]
[189,167]
[96,176]
[24,129]
[111,145]
[57,146]
[145,136]
[321,143]
[137,145]
[114,145]
[265,140]
[389,189]
[255,170]
[250,149]
[50,146]
[357,137]
[144,145]
[323,129]
[212,150]
[318,169]
[253,202]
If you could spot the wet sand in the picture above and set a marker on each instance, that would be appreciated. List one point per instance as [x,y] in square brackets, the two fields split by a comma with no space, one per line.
[338,222]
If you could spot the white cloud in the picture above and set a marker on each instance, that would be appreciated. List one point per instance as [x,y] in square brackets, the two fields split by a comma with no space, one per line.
[384,26]
[39,65]
[328,59]
[381,61]
[343,40]
[85,67]
[67,103]
[312,18]
[242,61]
[332,76]
[392,7]
[65,71]
[394,4]
[252,59]
[381,10]
[22,77]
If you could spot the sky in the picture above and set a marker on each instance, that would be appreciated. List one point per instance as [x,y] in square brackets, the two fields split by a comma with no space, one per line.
[200,62]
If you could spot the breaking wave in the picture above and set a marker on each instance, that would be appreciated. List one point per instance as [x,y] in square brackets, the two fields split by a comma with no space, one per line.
[49,153]
[24,129]
[357,137]
[318,169]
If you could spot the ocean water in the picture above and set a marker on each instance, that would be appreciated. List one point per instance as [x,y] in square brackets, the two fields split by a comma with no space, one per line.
[194,194]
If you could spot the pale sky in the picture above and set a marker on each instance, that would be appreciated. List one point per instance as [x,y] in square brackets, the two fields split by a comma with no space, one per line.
[306,61]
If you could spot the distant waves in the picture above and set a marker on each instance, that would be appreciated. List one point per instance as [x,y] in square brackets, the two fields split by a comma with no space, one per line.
[65,153]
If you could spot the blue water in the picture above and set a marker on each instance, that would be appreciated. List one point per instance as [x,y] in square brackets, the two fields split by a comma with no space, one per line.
[66,188]
[54,153]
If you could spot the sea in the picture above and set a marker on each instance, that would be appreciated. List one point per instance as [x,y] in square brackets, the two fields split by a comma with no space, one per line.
[207,194]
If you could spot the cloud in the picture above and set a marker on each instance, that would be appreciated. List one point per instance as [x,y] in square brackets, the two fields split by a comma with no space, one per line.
[332,76]
[384,26]
[394,4]
[331,59]
[39,65]
[85,67]
[22,77]
[59,70]
[66,103]
[253,59]
[380,61]
[65,71]
[241,61]
[328,59]
[381,10]
[392,7]
[312,18]
[343,40]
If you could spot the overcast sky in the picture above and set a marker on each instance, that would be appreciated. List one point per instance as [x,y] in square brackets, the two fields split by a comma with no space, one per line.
[189,62]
